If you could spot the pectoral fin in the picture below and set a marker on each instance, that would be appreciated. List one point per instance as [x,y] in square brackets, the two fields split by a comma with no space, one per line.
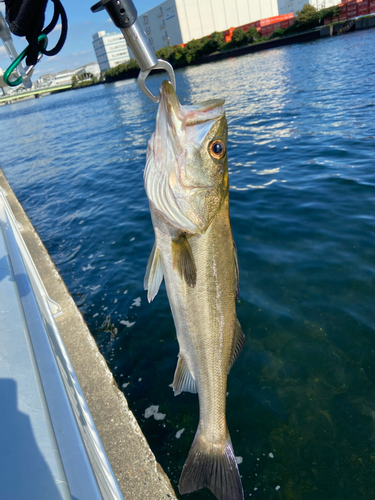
[154,274]
[183,379]
[238,343]
[183,260]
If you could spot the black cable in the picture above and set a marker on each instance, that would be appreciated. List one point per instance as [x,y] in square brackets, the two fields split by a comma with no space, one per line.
[55,18]
[26,18]
[59,11]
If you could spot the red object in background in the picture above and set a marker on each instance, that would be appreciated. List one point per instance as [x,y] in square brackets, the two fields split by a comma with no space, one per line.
[327,20]
[264,26]
[343,17]
[335,19]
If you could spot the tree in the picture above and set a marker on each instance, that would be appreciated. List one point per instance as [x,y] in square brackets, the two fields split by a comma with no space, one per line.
[278,33]
[164,53]
[239,37]
[178,57]
[252,34]
[307,14]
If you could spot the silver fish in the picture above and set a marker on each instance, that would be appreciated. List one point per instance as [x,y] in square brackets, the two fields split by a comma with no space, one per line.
[186,180]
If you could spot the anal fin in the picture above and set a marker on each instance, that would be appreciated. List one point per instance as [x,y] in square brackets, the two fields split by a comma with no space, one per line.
[183,260]
[238,343]
[154,274]
[183,379]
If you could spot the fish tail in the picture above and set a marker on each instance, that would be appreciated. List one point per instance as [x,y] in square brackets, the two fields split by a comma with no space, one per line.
[212,466]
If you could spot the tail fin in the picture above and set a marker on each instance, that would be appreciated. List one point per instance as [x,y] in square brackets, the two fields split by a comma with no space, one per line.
[214,467]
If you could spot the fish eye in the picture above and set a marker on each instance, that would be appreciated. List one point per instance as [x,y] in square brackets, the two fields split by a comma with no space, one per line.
[217,149]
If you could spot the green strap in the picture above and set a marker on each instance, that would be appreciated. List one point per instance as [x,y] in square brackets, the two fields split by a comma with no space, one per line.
[41,39]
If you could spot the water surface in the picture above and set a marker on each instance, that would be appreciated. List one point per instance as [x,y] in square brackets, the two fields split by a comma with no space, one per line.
[301,402]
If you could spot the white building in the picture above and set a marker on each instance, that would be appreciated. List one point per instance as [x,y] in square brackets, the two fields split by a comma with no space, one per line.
[178,21]
[286,6]
[46,80]
[174,22]
[110,49]
[89,69]
[64,77]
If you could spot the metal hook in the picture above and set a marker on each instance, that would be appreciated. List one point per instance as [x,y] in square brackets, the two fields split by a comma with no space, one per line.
[17,61]
[161,64]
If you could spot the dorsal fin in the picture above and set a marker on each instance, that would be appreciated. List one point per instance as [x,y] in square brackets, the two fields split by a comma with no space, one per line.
[238,343]
[183,379]
[154,274]
[183,260]
[236,270]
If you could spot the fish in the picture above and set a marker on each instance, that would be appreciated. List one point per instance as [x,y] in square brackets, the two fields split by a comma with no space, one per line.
[186,181]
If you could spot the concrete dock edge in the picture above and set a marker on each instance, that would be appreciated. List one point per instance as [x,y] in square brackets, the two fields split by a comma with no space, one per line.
[134,465]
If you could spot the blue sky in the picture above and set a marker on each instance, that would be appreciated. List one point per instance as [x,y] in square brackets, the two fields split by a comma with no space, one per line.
[82,24]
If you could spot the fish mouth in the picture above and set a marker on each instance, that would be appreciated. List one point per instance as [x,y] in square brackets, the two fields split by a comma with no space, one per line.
[169,97]
[190,115]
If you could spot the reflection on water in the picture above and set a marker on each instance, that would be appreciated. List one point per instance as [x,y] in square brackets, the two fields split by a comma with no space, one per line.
[302,124]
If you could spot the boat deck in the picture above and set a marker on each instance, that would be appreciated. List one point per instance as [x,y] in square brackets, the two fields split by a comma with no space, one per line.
[54,384]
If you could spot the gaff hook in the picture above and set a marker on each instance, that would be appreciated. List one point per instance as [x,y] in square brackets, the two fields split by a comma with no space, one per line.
[124,15]
[161,64]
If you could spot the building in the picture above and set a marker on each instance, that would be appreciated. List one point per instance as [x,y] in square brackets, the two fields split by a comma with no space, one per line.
[162,25]
[174,22]
[110,49]
[286,6]
[89,69]
[65,77]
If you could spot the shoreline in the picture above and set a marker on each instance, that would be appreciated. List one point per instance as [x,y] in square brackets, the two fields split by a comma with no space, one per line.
[307,36]
[340,28]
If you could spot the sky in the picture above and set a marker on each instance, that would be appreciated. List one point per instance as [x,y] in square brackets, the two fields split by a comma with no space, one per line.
[82,24]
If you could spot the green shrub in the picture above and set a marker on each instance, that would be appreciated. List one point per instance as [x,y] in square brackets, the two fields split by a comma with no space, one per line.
[252,34]
[239,37]
[277,33]
[178,57]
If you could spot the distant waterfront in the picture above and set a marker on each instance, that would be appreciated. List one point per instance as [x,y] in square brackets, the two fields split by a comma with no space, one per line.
[301,151]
